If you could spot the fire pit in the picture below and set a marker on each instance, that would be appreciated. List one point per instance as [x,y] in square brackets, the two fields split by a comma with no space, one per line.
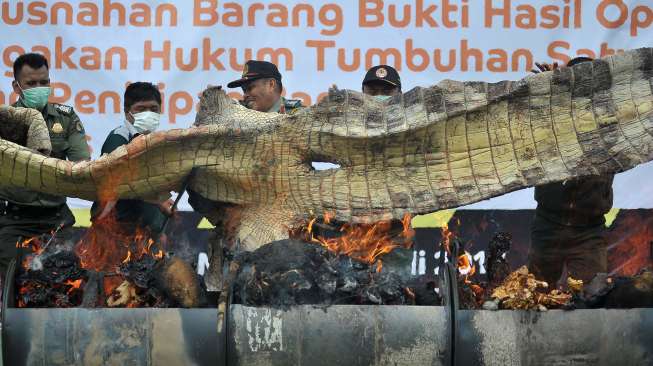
[54,274]
[302,334]
[329,333]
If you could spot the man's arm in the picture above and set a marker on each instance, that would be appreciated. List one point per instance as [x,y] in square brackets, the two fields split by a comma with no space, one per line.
[78,150]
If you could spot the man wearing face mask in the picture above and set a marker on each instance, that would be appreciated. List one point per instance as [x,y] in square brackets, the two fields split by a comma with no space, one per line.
[25,214]
[261,84]
[382,82]
[142,106]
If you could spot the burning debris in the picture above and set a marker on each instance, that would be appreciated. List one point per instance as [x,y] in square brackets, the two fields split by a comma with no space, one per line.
[522,291]
[363,242]
[292,272]
[56,276]
[470,294]
[108,243]
[618,292]
[49,278]
[497,266]
[327,263]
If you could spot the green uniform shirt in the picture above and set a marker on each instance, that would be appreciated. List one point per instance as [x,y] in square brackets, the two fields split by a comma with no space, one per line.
[286,106]
[68,142]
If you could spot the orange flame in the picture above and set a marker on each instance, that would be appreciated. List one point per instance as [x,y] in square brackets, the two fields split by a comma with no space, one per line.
[446,238]
[108,243]
[74,285]
[34,245]
[467,269]
[466,266]
[408,233]
[111,283]
[309,226]
[128,258]
[634,248]
[365,242]
[328,216]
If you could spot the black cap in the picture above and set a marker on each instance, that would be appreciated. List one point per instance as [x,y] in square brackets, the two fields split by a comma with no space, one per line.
[383,73]
[256,70]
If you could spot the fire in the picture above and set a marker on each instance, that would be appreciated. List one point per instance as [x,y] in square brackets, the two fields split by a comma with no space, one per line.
[110,283]
[109,243]
[309,226]
[128,258]
[328,216]
[363,242]
[74,285]
[34,245]
[466,265]
[446,238]
[632,247]
[104,248]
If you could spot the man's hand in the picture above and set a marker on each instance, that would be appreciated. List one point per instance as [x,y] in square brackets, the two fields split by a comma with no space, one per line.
[166,207]
[544,67]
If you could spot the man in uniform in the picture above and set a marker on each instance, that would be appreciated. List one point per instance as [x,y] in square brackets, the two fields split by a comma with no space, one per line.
[262,87]
[142,107]
[23,213]
[382,81]
[569,223]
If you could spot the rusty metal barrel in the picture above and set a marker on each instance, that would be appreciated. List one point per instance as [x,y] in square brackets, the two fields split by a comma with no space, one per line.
[334,335]
[306,335]
[339,335]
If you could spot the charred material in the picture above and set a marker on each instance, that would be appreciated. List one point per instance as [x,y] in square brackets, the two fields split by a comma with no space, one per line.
[139,288]
[618,292]
[291,272]
[497,266]
[55,277]
[156,282]
[179,282]
[51,280]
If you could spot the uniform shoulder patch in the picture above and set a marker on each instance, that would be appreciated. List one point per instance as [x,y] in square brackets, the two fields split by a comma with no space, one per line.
[63,108]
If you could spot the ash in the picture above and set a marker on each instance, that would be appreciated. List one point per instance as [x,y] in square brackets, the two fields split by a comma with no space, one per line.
[292,272]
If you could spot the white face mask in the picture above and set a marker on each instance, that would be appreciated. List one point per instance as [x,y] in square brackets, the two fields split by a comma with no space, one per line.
[146,122]
[382,98]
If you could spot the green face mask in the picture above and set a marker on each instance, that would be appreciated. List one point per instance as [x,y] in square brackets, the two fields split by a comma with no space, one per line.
[382,98]
[36,98]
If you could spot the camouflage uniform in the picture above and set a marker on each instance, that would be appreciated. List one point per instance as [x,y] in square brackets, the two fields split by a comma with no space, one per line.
[569,228]
[25,214]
